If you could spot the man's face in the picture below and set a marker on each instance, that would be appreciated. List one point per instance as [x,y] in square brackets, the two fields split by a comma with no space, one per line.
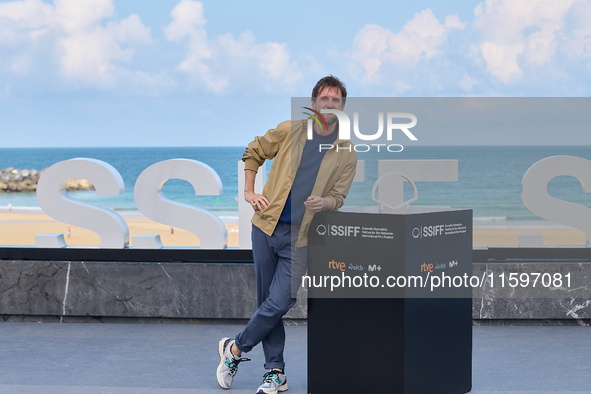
[329,98]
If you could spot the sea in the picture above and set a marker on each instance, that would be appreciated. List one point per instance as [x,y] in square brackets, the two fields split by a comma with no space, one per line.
[489,179]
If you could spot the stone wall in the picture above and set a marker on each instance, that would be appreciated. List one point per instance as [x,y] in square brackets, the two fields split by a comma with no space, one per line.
[217,291]
[131,289]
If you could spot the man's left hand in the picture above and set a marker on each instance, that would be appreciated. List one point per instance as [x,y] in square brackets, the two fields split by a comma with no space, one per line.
[317,204]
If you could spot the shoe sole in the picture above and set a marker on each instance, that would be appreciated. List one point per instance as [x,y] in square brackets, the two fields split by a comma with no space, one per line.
[280,388]
[222,359]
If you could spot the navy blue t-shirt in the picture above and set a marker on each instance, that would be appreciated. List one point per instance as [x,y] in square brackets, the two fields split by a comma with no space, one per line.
[294,209]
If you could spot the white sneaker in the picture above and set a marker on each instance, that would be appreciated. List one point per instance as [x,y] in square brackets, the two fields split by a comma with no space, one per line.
[228,363]
[273,382]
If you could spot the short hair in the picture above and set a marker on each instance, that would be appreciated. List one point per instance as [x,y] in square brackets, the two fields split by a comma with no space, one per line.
[329,82]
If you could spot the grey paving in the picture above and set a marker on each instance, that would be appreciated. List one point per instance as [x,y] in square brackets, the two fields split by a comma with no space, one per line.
[527,359]
[86,358]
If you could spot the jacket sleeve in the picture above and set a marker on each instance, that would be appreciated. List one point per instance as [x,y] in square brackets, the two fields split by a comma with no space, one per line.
[265,147]
[340,189]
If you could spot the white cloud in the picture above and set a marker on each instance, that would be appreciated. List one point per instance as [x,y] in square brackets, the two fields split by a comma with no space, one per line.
[22,20]
[74,16]
[217,63]
[540,46]
[579,43]
[188,22]
[401,87]
[86,49]
[420,39]
[515,42]
[501,60]
[90,51]
[454,22]
[467,83]
[29,14]
[518,34]
[21,64]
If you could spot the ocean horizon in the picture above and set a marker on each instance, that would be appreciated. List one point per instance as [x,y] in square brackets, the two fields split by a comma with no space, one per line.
[489,179]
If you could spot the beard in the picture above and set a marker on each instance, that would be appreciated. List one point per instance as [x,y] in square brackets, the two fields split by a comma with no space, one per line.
[332,119]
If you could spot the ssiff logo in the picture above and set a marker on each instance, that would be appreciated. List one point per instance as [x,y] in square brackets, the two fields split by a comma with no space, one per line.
[427,231]
[344,231]
[321,229]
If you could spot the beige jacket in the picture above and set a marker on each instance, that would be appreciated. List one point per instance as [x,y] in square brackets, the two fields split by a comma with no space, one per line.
[285,145]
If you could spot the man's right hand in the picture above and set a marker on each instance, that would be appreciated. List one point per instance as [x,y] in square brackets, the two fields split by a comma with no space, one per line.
[258,202]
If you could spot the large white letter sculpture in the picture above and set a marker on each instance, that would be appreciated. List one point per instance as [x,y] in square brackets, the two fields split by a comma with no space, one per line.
[55,202]
[534,191]
[151,202]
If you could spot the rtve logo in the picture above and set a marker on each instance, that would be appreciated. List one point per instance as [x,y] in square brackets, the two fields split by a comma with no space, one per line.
[427,231]
[336,265]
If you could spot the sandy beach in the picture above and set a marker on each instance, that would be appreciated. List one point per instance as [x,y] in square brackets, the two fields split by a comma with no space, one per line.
[508,236]
[20,229]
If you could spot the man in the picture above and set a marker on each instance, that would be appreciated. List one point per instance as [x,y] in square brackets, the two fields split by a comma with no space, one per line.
[304,179]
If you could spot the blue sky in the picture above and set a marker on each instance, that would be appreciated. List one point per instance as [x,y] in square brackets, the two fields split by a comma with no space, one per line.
[190,73]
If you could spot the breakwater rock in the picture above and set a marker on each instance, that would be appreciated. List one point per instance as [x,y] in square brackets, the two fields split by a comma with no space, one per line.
[14,180]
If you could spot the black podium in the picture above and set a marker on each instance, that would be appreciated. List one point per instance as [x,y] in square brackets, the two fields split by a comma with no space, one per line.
[378,319]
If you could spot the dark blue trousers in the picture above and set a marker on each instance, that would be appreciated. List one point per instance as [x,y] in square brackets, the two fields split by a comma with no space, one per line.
[278,268]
